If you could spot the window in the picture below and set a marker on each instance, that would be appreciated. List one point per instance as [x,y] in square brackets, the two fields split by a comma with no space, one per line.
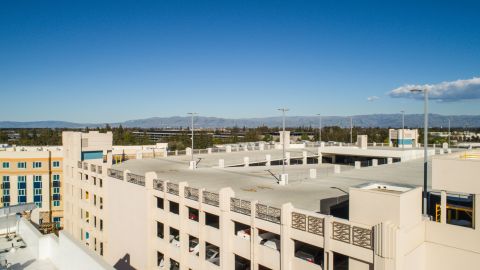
[159,202]
[37,164]
[94,199]
[212,253]
[101,224]
[193,214]
[56,203]
[212,220]
[160,259]
[94,181]
[101,248]
[56,177]
[6,190]
[22,165]
[56,164]
[56,190]
[22,189]
[101,202]
[6,165]
[160,230]
[174,207]
[37,181]
[100,182]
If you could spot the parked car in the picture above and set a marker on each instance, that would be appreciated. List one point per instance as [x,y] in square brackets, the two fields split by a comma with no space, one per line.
[270,240]
[310,254]
[245,233]
[194,247]
[213,255]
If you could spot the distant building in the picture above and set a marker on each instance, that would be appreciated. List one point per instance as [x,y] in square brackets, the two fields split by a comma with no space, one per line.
[406,138]
[33,174]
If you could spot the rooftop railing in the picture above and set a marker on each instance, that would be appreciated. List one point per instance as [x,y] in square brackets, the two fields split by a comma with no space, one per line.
[172,188]
[268,213]
[241,206]
[158,184]
[85,166]
[136,179]
[99,169]
[211,198]
[115,174]
[352,234]
[191,193]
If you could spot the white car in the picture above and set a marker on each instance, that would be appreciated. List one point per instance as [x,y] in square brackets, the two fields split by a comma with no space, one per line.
[175,240]
[244,234]
[212,255]
[194,247]
[270,240]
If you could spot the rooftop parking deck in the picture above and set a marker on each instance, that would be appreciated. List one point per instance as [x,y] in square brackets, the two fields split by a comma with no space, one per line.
[256,183]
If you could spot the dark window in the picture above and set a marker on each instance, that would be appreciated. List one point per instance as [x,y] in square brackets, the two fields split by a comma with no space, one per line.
[193,214]
[160,230]
[159,202]
[212,220]
[174,207]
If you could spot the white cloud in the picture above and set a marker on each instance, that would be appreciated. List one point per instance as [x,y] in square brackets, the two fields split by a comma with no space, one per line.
[372,98]
[445,91]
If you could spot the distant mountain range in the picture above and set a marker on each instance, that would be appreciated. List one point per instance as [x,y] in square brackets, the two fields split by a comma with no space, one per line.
[371,120]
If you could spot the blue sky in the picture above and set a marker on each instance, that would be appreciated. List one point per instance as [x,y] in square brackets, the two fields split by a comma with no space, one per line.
[97,61]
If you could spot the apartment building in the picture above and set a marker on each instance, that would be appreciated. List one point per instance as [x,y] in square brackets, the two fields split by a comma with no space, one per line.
[163,214]
[33,174]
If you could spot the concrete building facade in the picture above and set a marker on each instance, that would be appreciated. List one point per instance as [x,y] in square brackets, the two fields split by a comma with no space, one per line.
[160,216]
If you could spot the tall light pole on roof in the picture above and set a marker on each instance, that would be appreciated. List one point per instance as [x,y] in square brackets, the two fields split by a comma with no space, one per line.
[283,110]
[192,114]
[425,147]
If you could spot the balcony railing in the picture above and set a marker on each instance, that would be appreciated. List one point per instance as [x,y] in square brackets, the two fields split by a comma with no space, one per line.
[341,232]
[115,174]
[299,221]
[362,237]
[358,236]
[211,198]
[191,193]
[315,225]
[268,213]
[241,206]
[136,179]
[172,188]
[158,184]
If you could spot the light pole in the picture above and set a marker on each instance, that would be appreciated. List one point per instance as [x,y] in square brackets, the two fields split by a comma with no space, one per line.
[351,130]
[425,147]
[403,129]
[283,110]
[192,114]
[319,127]
[449,133]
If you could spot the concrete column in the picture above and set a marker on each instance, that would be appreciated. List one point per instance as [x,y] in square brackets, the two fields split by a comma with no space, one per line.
[322,144]
[209,150]
[221,163]
[286,243]
[441,151]
[109,160]
[313,173]
[245,148]
[443,206]
[358,165]
[304,157]
[374,144]
[227,258]
[237,148]
[287,158]
[268,158]
[228,148]
[188,151]
[283,179]
[193,165]
[336,169]
[374,162]
[389,160]
[261,146]
[319,158]
[328,254]
[246,161]
[334,159]
[139,155]
[449,151]
[340,144]
[176,152]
